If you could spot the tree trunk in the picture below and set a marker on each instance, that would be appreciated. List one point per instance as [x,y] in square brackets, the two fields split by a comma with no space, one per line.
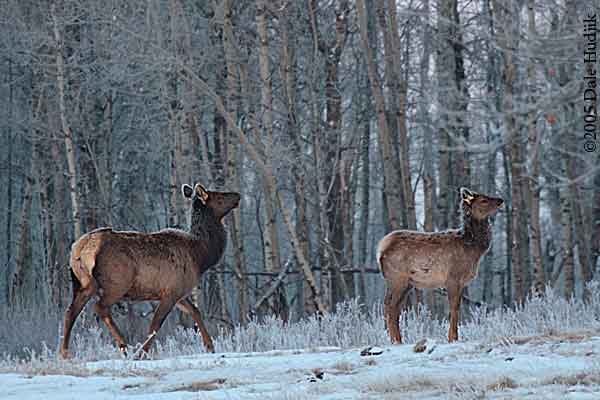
[507,39]
[569,267]
[397,93]
[459,126]
[428,173]
[507,292]
[24,252]
[364,189]
[175,205]
[9,185]
[492,125]
[108,166]
[271,239]
[429,184]
[347,189]
[23,258]
[233,160]
[316,159]
[332,171]
[390,172]
[288,74]
[219,154]
[60,267]
[405,170]
[568,192]
[582,239]
[446,79]
[539,279]
[516,215]
[67,132]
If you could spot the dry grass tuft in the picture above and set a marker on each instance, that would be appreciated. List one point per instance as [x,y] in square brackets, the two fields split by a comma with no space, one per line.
[370,362]
[583,378]
[132,386]
[72,370]
[568,337]
[80,371]
[501,384]
[294,394]
[201,386]
[386,385]
[466,392]
[343,367]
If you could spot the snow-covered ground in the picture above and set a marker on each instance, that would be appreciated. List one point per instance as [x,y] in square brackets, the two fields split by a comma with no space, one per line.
[539,367]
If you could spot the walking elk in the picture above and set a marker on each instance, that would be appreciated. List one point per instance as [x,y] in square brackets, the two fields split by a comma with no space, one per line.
[164,266]
[446,259]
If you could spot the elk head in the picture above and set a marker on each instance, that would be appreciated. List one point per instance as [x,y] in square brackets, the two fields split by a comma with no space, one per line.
[220,203]
[479,206]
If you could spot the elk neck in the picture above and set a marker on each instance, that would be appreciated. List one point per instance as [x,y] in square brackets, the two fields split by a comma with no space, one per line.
[475,232]
[210,233]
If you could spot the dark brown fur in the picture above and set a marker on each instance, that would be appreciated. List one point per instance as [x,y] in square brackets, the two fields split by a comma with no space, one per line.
[439,259]
[164,266]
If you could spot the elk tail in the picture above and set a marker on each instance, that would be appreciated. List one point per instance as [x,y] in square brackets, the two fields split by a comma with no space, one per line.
[380,255]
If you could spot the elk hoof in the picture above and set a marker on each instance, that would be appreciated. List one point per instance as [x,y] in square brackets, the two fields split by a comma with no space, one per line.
[64,353]
[396,339]
[123,350]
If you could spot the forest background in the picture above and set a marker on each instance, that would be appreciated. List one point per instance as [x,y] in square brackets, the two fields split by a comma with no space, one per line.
[336,120]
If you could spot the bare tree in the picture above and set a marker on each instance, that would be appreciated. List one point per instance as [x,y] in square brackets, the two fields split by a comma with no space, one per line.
[390,171]
[534,150]
[66,129]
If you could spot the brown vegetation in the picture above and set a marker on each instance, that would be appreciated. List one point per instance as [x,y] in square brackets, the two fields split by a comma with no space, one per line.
[201,386]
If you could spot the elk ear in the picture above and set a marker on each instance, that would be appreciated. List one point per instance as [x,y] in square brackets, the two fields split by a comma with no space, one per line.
[187,191]
[201,192]
[466,195]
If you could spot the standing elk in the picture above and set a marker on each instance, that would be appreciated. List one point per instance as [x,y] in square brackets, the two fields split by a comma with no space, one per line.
[164,266]
[448,259]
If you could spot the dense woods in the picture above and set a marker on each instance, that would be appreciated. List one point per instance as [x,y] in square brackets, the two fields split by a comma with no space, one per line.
[336,120]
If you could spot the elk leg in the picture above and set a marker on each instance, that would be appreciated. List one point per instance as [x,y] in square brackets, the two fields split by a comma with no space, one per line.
[188,307]
[454,297]
[394,297]
[162,311]
[103,312]
[80,299]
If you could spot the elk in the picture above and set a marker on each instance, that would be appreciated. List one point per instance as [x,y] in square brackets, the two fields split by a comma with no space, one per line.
[164,266]
[447,259]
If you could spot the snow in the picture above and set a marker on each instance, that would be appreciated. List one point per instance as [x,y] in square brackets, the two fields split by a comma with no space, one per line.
[542,367]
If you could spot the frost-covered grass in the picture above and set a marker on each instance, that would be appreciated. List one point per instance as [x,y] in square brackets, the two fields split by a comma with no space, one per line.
[29,343]
[550,314]
[349,327]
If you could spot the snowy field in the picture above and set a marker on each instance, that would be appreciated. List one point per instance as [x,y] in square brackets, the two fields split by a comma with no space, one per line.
[549,348]
[553,367]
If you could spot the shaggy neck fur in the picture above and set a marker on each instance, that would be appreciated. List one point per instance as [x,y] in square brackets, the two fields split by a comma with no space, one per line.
[475,232]
[208,230]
